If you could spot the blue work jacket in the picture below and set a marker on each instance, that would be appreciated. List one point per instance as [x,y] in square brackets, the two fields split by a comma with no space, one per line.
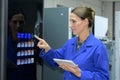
[91,58]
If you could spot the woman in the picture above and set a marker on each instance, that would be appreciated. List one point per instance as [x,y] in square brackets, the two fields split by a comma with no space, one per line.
[16,22]
[85,50]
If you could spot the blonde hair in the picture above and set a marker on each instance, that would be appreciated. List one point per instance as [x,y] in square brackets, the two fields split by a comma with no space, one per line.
[85,12]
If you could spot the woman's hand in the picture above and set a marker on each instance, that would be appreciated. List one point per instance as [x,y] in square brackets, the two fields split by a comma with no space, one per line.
[75,70]
[42,44]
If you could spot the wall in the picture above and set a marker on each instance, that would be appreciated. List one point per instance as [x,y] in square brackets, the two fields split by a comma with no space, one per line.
[95,4]
[107,11]
[117,6]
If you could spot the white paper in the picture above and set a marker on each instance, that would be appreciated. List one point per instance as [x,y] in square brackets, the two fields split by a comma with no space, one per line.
[100,26]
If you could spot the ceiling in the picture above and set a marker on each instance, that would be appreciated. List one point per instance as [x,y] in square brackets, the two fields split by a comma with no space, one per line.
[110,0]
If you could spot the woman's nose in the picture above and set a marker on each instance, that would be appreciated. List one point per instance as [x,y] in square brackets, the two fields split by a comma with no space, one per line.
[18,24]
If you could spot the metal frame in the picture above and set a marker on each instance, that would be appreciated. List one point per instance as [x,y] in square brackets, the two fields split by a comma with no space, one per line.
[3,37]
[117,45]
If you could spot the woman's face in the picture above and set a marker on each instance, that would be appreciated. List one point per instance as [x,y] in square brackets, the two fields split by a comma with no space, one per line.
[77,24]
[16,24]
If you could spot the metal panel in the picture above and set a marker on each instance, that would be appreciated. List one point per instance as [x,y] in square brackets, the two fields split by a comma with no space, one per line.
[3,36]
[111,54]
[117,45]
[56,30]
[56,26]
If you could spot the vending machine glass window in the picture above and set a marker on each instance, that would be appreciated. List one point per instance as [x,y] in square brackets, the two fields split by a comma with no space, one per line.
[24,20]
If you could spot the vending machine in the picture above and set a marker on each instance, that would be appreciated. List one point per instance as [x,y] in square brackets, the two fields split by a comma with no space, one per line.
[24,20]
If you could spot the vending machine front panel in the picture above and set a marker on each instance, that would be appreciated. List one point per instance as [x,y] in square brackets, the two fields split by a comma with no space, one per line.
[24,20]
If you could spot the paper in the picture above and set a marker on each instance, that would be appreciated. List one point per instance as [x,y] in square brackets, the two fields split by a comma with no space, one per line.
[100,27]
[67,62]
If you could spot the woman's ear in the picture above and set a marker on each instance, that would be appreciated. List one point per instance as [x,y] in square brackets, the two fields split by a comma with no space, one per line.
[86,21]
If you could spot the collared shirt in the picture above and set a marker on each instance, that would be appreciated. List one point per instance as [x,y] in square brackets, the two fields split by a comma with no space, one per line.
[91,58]
[78,46]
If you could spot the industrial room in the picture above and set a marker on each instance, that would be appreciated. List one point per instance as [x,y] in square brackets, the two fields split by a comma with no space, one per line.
[105,9]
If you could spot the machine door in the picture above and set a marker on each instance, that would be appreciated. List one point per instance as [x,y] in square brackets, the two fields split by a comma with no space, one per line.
[24,20]
[56,33]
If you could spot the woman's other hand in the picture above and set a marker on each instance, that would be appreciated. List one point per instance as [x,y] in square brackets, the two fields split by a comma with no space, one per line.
[75,70]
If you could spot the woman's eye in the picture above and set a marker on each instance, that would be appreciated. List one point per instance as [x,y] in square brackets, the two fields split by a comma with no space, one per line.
[20,22]
[73,21]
